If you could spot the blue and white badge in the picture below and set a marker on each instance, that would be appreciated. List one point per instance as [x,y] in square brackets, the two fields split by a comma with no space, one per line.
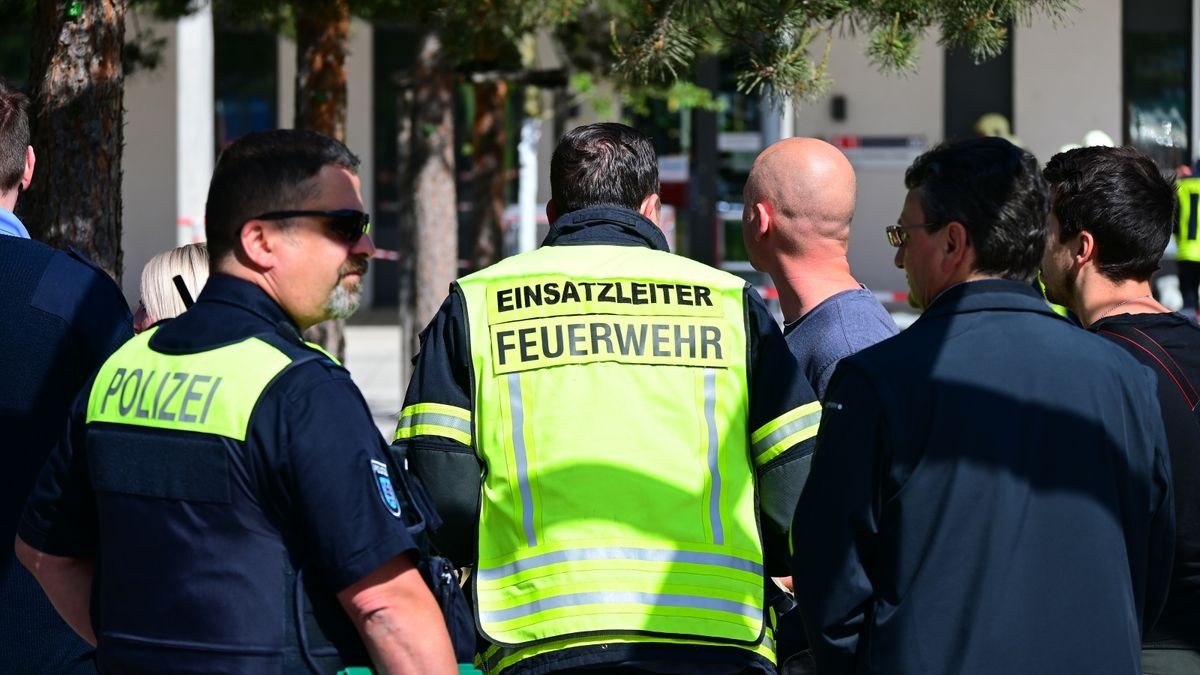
[387,491]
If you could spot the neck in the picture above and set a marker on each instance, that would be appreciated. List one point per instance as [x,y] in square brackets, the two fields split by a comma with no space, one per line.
[8,200]
[1104,298]
[804,283]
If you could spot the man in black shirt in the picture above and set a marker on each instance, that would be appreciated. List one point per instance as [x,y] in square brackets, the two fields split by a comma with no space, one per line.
[1111,219]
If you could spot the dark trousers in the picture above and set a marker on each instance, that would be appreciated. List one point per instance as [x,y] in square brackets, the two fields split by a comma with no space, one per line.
[1189,283]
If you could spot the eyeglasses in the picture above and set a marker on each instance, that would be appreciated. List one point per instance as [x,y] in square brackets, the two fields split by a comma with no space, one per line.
[348,224]
[897,235]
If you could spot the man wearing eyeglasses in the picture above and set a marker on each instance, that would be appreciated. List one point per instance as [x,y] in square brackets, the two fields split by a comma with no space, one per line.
[990,491]
[222,495]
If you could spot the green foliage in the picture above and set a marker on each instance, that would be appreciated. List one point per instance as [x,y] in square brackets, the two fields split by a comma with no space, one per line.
[780,47]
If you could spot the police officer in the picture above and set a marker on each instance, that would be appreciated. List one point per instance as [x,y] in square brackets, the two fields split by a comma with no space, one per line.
[222,494]
[615,436]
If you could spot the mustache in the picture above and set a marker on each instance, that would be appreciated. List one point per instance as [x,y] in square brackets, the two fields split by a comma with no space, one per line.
[354,266]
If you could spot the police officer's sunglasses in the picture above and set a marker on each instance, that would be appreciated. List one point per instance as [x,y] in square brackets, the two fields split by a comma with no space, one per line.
[897,235]
[348,224]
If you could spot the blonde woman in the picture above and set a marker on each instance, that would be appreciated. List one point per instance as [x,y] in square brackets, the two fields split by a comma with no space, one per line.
[171,280]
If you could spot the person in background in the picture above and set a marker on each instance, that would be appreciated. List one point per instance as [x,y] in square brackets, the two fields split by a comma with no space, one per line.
[1111,217]
[991,489]
[171,281]
[1187,242]
[60,317]
[798,204]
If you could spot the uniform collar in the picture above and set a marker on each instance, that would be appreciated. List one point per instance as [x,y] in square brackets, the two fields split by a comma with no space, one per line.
[989,294]
[230,290]
[11,225]
[605,225]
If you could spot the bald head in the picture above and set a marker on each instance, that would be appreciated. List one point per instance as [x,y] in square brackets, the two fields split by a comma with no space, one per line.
[809,187]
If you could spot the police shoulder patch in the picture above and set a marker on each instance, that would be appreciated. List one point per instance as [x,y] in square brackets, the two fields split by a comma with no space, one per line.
[387,491]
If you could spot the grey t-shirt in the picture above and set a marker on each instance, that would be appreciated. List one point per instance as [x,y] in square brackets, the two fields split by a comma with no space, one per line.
[838,327]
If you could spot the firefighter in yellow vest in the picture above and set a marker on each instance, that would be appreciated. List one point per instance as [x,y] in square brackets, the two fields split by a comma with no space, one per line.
[615,436]
[1187,241]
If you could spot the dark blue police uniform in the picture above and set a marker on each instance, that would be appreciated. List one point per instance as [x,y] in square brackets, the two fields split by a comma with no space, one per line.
[60,317]
[217,555]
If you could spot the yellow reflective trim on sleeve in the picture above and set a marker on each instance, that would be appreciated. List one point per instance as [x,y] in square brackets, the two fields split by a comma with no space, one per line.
[435,419]
[795,426]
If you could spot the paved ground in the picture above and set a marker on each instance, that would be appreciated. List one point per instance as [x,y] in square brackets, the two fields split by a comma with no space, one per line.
[373,358]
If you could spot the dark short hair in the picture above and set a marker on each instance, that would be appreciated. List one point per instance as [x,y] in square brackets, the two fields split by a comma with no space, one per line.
[605,164]
[1121,197]
[14,135]
[995,190]
[263,172]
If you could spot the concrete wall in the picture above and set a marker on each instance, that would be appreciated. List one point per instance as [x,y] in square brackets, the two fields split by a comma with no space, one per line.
[1067,78]
[877,104]
[149,163]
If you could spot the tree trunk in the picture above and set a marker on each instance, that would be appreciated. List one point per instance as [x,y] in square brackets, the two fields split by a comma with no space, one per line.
[488,174]
[322,30]
[78,120]
[435,206]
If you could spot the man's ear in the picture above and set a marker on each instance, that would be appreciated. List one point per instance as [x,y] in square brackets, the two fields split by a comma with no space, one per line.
[763,212]
[30,160]
[956,247]
[650,207]
[1086,249]
[551,212]
[259,239]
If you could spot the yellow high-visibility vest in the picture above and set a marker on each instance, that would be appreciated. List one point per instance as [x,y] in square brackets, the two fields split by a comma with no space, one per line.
[611,410]
[1187,237]
[211,392]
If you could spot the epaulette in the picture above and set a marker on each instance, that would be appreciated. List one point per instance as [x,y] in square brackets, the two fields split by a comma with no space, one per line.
[83,258]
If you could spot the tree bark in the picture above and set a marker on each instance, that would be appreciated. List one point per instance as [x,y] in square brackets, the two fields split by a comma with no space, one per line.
[78,121]
[322,30]
[435,207]
[488,174]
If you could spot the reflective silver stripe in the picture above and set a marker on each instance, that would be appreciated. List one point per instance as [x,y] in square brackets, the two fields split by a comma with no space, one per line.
[436,419]
[714,467]
[786,430]
[622,597]
[620,553]
[518,436]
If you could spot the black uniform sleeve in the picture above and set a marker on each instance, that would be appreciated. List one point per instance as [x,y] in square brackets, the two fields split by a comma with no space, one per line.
[60,515]
[835,530]
[434,432]
[345,495]
[784,416]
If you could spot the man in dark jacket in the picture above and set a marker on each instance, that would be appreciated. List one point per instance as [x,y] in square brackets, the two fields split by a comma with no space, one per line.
[991,488]
[60,317]
[1111,219]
